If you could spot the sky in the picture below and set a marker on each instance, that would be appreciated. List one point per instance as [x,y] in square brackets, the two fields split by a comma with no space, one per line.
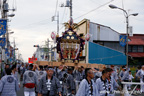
[32,24]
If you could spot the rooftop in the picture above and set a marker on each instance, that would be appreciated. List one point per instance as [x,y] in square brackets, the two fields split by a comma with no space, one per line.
[136,39]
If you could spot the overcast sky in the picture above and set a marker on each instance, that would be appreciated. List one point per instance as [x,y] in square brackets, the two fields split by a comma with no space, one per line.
[32,22]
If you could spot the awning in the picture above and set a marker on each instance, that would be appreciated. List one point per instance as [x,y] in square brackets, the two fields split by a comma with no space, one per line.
[103,55]
[139,55]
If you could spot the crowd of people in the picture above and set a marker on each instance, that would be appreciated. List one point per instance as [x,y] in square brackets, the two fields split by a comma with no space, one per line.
[66,81]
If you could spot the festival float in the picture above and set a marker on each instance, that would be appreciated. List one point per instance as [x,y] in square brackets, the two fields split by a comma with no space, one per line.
[70,45]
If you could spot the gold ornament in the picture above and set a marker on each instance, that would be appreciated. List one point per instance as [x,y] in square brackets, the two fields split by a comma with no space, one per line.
[68,37]
[72,37]
[70,33]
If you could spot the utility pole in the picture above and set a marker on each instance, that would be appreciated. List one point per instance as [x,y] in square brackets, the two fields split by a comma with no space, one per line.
[57,23]
[51,56]
[48,48]
[70,8]
[14,49]
[53,19]
[4,16]
[69,5]
[4,11]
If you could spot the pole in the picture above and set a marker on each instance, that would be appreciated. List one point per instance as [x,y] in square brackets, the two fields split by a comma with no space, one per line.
[0,62]
[18,55]
[58,23]
[51,56]
[127,27]
[8,45]
[14,49]
[4,16]
[38,49]
[48,49]
[70,8]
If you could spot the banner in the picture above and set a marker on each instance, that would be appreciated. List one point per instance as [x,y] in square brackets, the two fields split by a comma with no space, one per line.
[30,60]
[2,42]
[6,50]
[123,40]
[3,27]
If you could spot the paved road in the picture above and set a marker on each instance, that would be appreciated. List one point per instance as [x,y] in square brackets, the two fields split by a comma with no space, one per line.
[21,91]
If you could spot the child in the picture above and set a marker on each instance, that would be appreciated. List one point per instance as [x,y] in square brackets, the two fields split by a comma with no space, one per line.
[130,80]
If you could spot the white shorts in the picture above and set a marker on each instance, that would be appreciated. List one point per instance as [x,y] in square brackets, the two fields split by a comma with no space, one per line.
[29,93]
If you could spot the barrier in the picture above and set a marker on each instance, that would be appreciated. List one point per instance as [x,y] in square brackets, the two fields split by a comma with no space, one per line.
[125,90]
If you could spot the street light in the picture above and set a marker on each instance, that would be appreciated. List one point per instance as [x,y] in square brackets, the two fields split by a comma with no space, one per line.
[11,15]
[113,6]
[134,14]
[10,32]
[127,24]
[16,49]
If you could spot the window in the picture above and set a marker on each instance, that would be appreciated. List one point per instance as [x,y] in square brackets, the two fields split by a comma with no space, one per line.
[101,43]
[129,48]
[134,48]
[140,48]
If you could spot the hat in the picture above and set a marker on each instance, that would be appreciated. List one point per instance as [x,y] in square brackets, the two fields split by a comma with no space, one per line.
[124,68]
[50,68]
[70,69]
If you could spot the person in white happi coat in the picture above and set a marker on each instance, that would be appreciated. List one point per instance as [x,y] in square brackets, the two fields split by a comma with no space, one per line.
[8,84]
[87,86]
[102,84]
[114,73]
[140,75]
[30,82]
[112,84]
[15,73]
[130,79]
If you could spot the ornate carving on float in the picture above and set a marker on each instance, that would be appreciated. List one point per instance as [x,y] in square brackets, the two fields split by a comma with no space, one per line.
[70,45]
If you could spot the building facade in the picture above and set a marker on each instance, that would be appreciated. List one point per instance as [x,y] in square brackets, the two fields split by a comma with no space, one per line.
[101,35]
[136,48]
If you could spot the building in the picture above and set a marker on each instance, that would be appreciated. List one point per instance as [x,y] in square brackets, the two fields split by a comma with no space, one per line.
[104,37]
[43,54]
[136,48]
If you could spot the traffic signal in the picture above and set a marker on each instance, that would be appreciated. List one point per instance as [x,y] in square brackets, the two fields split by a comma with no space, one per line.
[36,45]
[16,48]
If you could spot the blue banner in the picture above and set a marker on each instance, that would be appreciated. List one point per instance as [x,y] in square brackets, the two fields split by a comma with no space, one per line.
[2,42]
[123,40]
[6,50]
[3,27]
[8,54]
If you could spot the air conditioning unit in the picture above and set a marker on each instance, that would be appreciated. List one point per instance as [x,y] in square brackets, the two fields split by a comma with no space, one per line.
[130,31]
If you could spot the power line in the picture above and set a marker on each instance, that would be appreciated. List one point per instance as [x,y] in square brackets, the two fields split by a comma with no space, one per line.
[123,4]
[35,23]
[94,9]
[94,1]
[15,5]
[123,7]
[63,15]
